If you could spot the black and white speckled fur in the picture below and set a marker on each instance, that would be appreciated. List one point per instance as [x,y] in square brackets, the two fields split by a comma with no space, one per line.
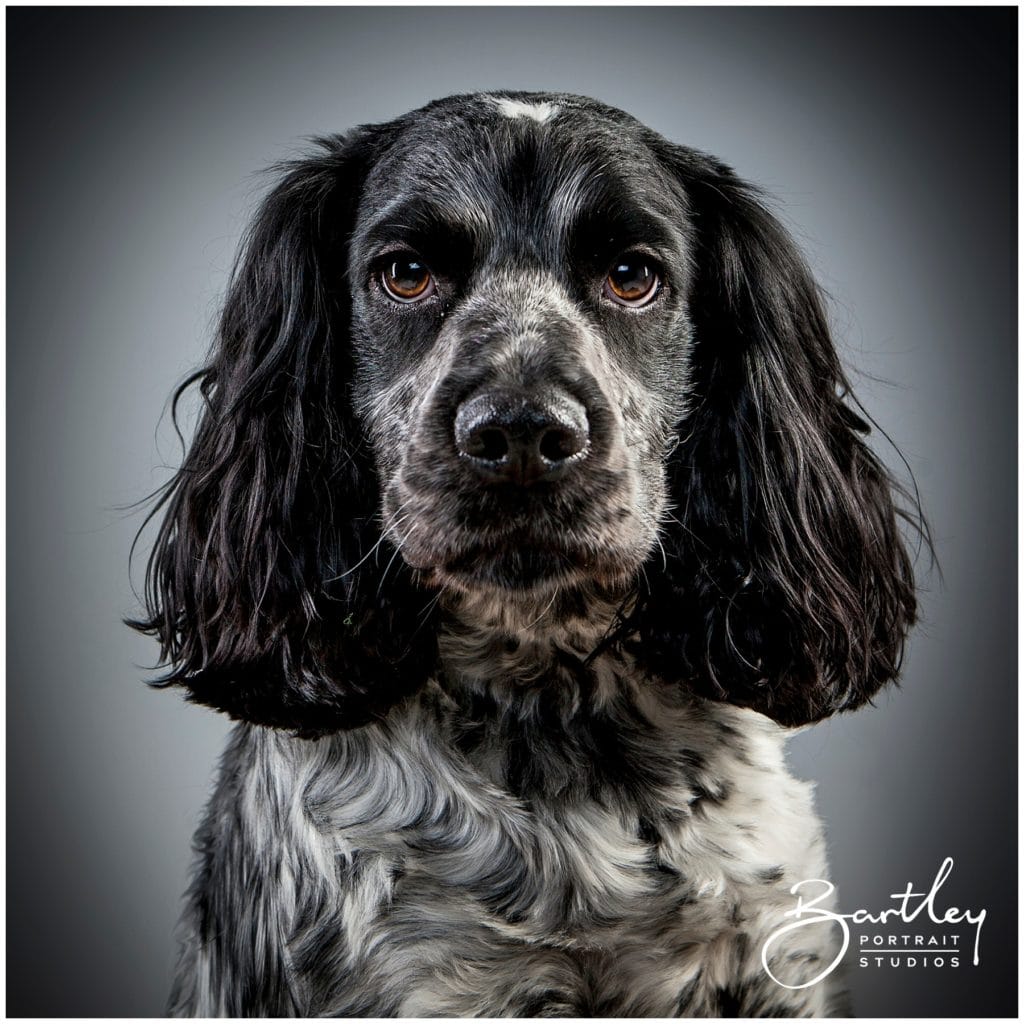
[510,749]
[601,845]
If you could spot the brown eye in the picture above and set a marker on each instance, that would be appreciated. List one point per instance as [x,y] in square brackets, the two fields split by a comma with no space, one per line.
[632,281]
[407,280]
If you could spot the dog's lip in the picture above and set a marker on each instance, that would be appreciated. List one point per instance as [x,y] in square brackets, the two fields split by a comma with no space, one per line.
[462,556]
[519,547]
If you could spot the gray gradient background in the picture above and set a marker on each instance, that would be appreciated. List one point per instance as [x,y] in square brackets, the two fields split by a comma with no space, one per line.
[889,139]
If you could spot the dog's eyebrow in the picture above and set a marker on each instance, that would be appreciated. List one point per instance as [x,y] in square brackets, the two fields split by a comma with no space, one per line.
[424,226]
[617,224]
[611,206]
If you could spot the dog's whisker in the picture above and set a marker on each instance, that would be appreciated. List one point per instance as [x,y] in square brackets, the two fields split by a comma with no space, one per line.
[544,611]
[394,521]
[396,554]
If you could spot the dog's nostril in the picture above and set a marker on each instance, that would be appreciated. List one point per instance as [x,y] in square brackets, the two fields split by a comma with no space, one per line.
[490,444]
[560,444]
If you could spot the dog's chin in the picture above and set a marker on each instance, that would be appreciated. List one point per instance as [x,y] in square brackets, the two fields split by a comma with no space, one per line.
[524,570]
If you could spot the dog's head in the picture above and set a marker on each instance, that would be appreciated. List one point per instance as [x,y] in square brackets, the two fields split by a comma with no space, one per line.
[520,345]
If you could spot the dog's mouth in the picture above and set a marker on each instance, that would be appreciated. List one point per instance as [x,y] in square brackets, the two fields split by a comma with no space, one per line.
[509,538]
[516,561]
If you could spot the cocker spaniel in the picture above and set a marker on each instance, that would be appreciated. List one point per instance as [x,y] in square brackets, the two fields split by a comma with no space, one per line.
[528,504]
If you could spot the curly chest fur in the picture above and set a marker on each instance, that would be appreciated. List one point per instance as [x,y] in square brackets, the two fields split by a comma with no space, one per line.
[583,843]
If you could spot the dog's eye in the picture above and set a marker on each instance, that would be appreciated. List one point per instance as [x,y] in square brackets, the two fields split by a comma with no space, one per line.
[632,281]
[407,280]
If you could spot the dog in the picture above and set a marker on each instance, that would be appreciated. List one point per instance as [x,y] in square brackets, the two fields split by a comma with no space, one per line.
[529,507]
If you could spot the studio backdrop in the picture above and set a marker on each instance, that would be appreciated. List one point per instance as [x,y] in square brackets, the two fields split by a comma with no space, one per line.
[887,141]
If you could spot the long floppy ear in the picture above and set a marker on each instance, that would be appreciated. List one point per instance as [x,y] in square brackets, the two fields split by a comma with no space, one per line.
[786,586]
[266,586]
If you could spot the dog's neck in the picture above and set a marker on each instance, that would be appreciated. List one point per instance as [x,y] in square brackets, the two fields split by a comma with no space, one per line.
[507,644]
[544,703]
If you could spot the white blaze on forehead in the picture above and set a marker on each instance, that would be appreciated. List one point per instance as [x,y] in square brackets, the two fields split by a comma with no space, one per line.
[539,112]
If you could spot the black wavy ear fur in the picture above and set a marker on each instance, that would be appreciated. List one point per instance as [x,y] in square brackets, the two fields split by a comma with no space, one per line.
[259,586]
[786,586]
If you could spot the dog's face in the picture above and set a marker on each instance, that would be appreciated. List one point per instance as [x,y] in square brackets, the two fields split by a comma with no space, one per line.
[519,275]
[520,345]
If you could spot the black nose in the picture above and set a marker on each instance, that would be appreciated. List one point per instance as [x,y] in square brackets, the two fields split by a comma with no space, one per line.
[507,436]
